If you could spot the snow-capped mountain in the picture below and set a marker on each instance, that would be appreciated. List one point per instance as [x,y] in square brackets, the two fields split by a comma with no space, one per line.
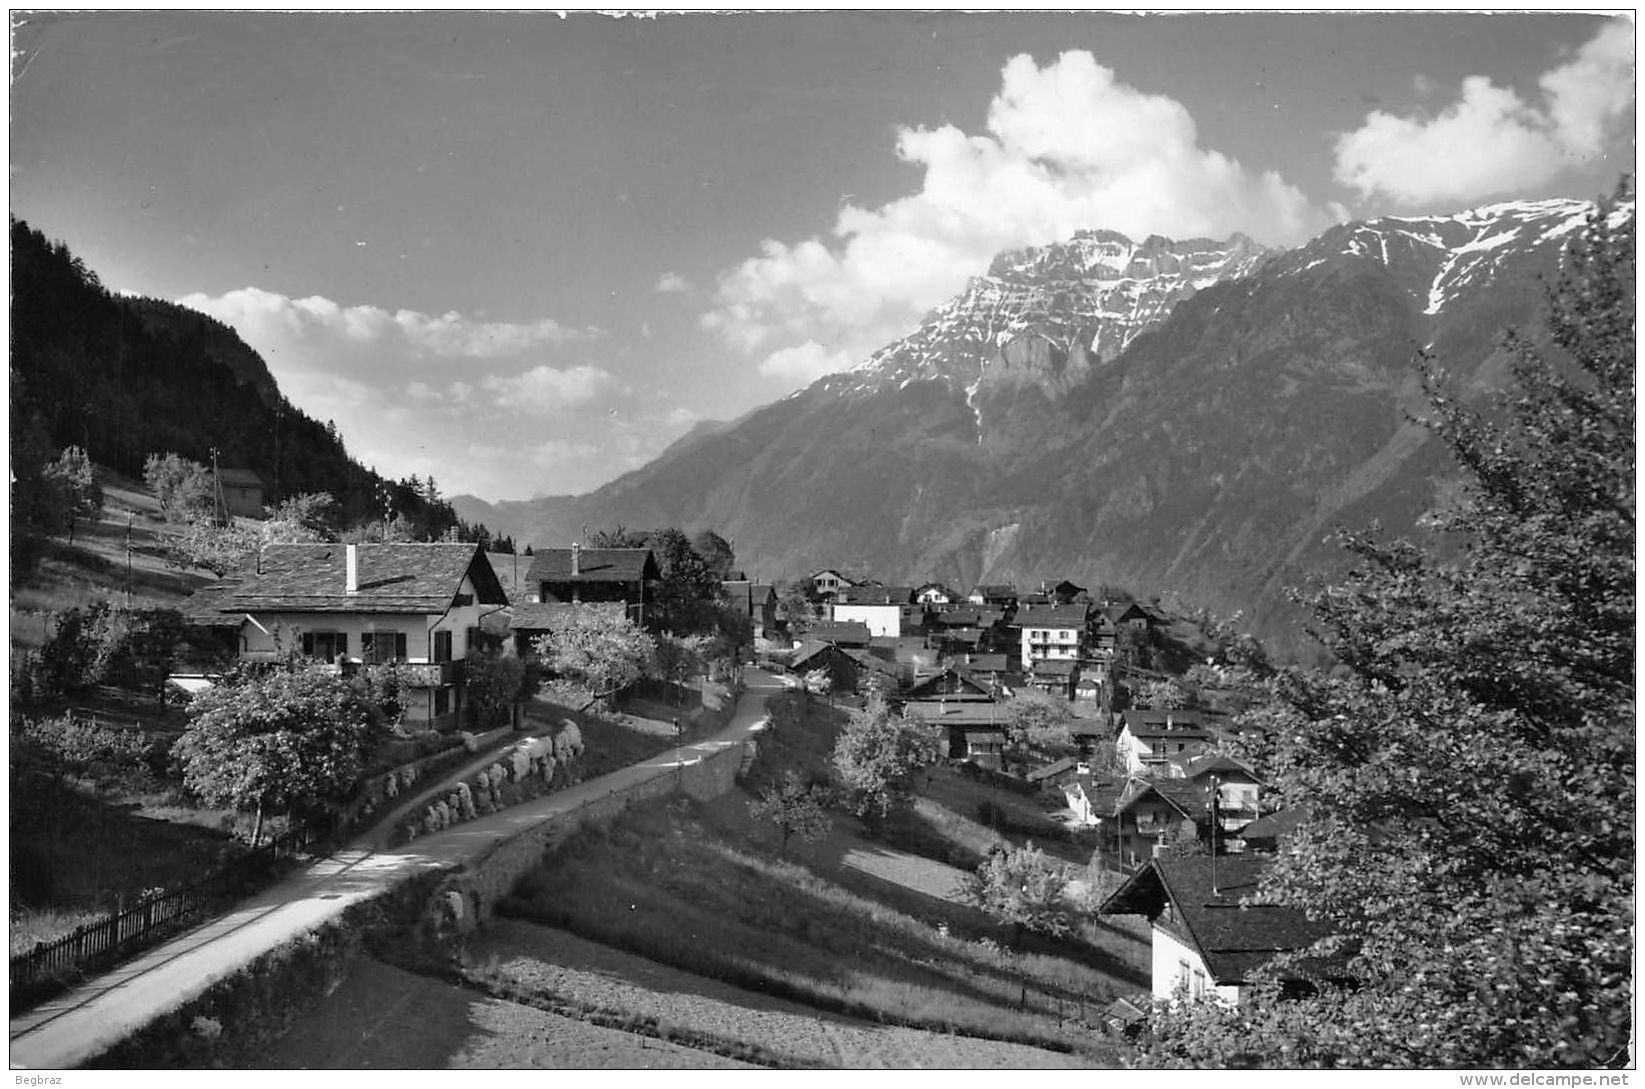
[1167,416]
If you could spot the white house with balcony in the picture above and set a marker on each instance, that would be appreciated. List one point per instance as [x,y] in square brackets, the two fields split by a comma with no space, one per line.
[1052,633]
[1149,740]
[348,605]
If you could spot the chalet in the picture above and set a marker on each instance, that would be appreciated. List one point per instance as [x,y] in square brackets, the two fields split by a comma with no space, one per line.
[417,605]
[840,633]
[999,595]
[1237,787]
[580,576]
[1064,592]
[873,669]
[843,668]
[1057,772]
[1130,615]
[1055,676]
[1208,938]
[952,684]
[935,593]
[1148,739]
[1052,632]
[828,582]
[757,601]
[974,731]
[238,493]
[1149,812]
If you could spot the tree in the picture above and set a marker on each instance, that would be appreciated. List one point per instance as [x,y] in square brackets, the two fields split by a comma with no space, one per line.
[1469,769]
[308,517]
[795,806]
[1021,888]
[182,487]
[602,653]
[76,488]
[619,536]
[294,739]
[1160,696]
[690,593]
[794,598]
[877,756]
[716,553]
[1037,723]
[222,550]
[494,685]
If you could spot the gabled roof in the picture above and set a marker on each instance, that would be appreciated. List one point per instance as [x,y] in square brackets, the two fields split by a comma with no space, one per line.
[1055,667]
[1055,767]
[532,616]
[995,590]
[1274,825]
[1151,724]
[1232,939]
[968,713]
[844,632]
[1129,611]
[1199,765]
[948,682]
[985,663]
[874,595]
[1052,616]
[1183,795]
[392,578]
[594,565]
[239,478]
[812,649]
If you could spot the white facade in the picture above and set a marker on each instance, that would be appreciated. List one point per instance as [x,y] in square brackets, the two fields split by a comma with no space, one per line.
[335,636]
[882,620]
[1178,965]
[1042,644]
[1141,754]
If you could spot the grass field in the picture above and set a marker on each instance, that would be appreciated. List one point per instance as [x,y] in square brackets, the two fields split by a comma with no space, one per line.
[670,884]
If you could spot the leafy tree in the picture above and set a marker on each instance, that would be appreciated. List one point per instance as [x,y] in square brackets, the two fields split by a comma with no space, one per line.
[794,598]
[1160,695]
[877,757]
[619,536]
[1470,768]
[1037,723]
[1021,888]
[716,553]
[690,594]
[309,517]
[494,685]
[795,806]
[76,488]
[593,649]
[200,543]
[279,739]
[183,487]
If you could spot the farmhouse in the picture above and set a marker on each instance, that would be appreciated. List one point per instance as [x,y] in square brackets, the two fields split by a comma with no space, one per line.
[578,576]
[1052,632]
[1147,739]
[420,605]
[239,492]
[1206,942]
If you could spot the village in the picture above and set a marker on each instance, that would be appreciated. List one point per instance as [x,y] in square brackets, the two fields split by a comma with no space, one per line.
[1117,753]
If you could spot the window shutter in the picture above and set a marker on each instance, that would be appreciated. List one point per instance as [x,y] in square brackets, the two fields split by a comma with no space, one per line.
[308,644]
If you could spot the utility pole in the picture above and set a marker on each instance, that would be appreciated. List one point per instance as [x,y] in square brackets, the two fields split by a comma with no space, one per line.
[1216,791]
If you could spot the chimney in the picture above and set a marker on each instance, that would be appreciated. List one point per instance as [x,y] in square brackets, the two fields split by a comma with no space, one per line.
[352,566]
[576,558]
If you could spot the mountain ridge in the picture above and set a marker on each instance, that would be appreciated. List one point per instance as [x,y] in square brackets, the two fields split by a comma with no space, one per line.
[1248,407]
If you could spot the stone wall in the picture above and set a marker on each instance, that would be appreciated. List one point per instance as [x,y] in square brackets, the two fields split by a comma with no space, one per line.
[483,882]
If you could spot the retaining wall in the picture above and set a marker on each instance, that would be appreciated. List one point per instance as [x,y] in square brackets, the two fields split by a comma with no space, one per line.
[483,882]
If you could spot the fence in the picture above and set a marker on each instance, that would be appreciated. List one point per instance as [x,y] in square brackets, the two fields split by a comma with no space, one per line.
[50,966]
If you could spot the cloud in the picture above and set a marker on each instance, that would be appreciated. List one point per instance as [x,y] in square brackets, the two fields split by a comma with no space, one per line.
[804,362]
[1067,147]
[1491,141]
[672,283]
[547,389]
[269,316]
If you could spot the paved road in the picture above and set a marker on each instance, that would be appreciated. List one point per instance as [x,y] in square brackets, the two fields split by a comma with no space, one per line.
[81,1024]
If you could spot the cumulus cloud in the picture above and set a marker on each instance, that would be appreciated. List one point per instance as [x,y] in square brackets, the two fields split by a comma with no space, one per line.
[269,316]
[672,283]
[1067,146]
[1491,141]
[548,389]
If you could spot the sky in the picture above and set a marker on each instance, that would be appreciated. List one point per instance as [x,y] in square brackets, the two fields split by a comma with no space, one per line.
[524,252]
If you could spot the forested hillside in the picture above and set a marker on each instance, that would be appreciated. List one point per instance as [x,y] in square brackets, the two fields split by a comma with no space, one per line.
[126,378]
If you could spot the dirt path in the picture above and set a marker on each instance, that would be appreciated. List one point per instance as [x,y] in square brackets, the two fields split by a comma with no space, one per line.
[556,962]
